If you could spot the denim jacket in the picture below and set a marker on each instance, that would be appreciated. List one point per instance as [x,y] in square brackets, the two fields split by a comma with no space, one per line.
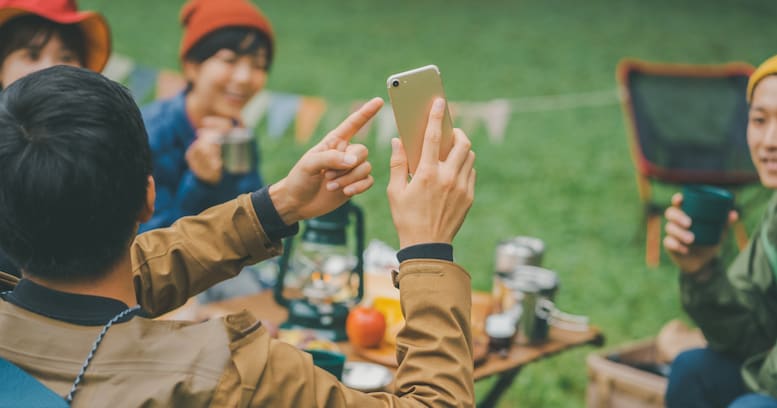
[178,191]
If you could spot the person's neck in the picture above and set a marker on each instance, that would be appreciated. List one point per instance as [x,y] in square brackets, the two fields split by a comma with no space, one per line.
[116,284]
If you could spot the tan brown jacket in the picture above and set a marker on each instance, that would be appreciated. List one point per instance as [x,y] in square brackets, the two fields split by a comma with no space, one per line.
[233,362]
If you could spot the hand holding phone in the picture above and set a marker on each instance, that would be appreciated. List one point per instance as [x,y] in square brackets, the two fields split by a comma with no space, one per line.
[432,205]
[412,94]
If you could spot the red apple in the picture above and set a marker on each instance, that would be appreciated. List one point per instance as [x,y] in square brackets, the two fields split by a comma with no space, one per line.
[365,326]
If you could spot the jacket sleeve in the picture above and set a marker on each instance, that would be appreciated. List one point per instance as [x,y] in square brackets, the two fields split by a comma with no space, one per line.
[735,308]
[434,351]
[172,264]
[434,354]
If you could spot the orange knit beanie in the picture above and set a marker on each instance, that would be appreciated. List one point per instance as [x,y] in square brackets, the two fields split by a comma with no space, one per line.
[202,17]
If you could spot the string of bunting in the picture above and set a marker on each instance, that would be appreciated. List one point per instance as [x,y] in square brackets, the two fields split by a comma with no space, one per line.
[282,112]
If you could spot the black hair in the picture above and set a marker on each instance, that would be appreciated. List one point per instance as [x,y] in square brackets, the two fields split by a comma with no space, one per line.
[31,30]
[241,40]
[74,167]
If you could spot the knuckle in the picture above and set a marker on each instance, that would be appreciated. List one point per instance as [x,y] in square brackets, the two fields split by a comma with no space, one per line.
[448,182]
[434,135]
[423,177]
[396,162]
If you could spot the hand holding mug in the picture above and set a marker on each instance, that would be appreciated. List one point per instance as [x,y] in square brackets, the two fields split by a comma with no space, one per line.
[204,154]
[681,243]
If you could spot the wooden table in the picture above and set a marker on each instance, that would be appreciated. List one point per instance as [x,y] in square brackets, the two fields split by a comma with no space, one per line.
[263,306]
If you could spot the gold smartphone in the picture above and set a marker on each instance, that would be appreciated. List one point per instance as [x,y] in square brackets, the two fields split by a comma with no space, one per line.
[412,94]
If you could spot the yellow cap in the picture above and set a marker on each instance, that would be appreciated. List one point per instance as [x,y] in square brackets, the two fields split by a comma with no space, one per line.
[768,67]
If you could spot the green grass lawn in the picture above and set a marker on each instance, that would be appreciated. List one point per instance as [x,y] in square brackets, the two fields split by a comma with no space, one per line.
[562,175]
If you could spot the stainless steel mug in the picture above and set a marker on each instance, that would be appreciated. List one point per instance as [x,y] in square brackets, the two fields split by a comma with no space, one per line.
[536,288]
[510,254]
[237,151]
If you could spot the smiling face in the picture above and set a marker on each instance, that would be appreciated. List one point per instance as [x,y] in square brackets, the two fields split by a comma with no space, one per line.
[30,43]
[762,130]
[35,57]
[223,84]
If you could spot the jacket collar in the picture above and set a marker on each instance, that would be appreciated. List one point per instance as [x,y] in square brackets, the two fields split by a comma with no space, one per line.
[84,310]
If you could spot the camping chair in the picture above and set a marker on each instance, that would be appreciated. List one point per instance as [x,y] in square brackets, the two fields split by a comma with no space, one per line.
[687,125]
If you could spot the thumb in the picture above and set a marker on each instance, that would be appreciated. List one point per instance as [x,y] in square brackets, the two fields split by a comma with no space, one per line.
[733,217]
[398,164]
[677,199]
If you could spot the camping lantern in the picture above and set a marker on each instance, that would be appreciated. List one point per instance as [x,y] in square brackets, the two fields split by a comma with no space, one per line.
[322,276]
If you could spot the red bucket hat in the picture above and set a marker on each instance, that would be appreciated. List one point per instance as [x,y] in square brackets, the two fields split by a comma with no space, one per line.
[202,17]
[92,24]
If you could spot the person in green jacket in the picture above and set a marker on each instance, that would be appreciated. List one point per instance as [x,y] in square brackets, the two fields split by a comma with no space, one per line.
[735,307]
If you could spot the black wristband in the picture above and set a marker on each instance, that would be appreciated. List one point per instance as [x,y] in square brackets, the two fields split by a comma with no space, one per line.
[434,250]
[271,221]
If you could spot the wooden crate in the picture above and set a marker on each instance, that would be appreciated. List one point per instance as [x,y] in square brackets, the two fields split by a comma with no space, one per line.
[616,385]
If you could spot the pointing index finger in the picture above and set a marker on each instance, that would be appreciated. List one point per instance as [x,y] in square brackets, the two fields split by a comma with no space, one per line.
[343,133]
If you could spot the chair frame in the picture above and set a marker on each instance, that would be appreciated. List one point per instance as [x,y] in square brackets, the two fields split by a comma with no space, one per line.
[648,172]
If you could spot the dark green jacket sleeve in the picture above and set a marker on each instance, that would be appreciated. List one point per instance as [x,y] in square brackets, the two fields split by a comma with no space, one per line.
[737,308]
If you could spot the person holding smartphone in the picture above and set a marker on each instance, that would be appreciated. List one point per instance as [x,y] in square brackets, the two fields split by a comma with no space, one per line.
[73,323]
[226,52]
[735,306]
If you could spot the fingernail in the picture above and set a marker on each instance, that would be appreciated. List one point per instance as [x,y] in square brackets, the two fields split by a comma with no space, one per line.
[349,159]
[394,145]
[439,104]
[332,186]
[348,190]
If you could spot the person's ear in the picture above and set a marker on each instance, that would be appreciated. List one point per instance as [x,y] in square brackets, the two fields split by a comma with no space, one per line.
[148,207]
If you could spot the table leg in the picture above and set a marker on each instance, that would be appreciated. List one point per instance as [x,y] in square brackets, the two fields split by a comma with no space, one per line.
[504,382]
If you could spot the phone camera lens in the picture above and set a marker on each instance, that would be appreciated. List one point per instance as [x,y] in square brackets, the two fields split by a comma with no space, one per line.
[395,83]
